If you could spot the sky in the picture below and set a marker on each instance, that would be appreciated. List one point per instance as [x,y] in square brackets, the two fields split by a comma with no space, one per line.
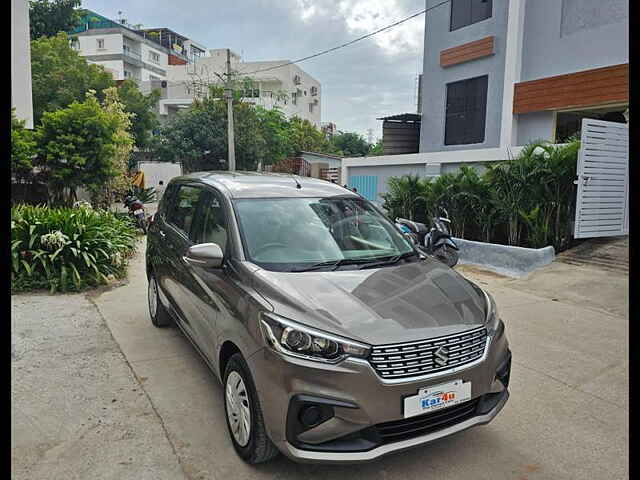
[373,78]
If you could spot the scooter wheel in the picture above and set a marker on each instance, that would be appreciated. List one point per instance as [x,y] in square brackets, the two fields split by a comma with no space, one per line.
[447,255]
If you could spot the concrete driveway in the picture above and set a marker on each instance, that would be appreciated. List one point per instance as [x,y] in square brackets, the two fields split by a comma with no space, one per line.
[567,416]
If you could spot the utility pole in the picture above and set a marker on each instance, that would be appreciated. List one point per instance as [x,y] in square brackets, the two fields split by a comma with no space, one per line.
[228,94]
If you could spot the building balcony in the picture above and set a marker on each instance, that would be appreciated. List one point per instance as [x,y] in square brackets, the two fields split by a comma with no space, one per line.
[132,54]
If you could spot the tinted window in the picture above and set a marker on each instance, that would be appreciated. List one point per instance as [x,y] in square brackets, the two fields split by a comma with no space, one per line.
[467,12]
[212,222]
[466,111]
[183,208]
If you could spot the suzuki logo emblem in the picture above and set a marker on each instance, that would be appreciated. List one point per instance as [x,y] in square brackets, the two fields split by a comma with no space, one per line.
[442,356]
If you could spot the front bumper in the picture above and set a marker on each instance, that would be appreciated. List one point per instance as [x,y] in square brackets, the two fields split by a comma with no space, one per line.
[312,456]
[359,404]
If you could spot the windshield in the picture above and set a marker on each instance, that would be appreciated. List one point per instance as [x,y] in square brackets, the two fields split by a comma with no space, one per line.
[291,233]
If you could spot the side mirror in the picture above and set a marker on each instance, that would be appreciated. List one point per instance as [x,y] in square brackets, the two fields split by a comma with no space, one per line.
[205,255]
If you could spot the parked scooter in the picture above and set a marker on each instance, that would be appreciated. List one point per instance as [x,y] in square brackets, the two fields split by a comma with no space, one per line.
[415,230]
[136,211]
[438,241]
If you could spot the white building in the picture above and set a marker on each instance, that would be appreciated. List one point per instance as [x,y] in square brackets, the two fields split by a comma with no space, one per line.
[289,87]
[21,62]
[124,51]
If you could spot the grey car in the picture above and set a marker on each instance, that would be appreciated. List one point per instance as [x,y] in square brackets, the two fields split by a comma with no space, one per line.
[334,337]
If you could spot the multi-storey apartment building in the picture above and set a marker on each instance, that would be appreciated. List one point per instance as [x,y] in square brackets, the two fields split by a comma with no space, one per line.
[499,73]
[127,52]
[287,87]
[21,62]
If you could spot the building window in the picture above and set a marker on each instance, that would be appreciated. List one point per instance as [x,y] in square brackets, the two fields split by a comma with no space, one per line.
[569,124]
[154,57]
[466,111]
[314,91]
[467,12]
[100,43]
[127,74]
[294,98]
[75,44]
[311,108]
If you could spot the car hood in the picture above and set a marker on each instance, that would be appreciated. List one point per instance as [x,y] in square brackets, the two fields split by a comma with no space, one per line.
[399,303]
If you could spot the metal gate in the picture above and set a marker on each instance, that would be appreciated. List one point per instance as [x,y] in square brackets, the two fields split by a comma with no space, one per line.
[602,204]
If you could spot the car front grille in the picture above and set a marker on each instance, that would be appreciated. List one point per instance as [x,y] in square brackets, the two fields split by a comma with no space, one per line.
[403,360]
[423,424]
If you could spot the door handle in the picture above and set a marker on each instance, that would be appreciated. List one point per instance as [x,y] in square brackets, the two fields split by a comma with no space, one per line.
[162,234]
[585,180]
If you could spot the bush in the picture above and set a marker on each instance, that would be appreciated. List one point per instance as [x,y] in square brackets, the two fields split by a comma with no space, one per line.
[67,248]
[527,201]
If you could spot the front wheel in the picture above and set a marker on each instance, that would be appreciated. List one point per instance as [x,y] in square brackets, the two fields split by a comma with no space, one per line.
[447,255]
[244,415]
[159,315]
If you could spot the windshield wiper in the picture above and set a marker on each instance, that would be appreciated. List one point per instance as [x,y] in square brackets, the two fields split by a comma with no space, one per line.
[329,263]
[365,262]
[389,260]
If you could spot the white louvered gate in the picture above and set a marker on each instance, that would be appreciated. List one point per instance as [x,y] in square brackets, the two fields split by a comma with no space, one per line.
[602,204]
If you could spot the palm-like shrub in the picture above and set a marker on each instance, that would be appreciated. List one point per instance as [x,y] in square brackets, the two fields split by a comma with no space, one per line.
[530,197]
[67,248]
[405,195]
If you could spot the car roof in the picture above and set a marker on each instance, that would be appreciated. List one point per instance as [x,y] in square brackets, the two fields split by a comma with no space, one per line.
[239,184]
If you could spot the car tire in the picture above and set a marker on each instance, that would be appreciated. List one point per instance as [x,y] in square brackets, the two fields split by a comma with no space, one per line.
[159,316]
[255,446]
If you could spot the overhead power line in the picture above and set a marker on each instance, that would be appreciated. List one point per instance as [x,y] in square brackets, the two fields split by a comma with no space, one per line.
[363,37]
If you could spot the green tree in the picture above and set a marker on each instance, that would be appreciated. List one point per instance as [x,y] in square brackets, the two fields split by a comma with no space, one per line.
[77,148]
[276,133]
[350,144]
[23,149]
[376,149]
[103,194]
[144,119]
[48,17]
[60,76]
[198,136]
[305,137]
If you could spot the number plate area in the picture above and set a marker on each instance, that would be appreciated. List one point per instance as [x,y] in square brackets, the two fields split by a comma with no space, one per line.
[434,398]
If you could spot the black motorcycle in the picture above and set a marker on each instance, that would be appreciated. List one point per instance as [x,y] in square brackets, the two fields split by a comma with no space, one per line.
[438,241]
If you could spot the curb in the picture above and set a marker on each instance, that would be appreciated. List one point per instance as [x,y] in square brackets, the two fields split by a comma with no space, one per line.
[504,259]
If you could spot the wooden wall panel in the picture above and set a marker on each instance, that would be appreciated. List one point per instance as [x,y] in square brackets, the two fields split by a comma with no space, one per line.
[588,88]
[466,52]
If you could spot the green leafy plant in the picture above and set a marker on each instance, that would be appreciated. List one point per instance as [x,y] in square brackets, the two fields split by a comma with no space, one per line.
[145,195]
[528,200]
[66,249]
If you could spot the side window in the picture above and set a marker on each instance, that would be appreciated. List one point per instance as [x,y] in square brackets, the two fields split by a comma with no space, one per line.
[183,208]
[212,221]
[165,200]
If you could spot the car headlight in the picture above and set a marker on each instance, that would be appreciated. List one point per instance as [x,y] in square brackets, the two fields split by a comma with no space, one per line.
[494,324]
[291,338]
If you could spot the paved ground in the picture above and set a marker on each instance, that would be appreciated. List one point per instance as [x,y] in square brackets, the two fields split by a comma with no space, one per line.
[567,417]
[77,411]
